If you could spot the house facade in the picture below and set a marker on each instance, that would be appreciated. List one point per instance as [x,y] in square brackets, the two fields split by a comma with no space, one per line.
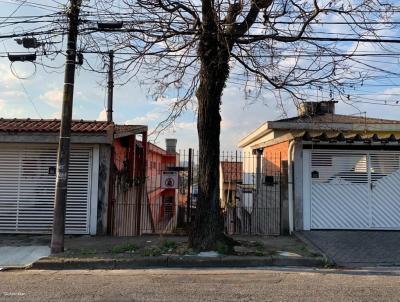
[28,153]
[342,171]
[163,199]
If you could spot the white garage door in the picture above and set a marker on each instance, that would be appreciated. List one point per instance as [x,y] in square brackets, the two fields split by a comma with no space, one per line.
[354,189]
[27,187]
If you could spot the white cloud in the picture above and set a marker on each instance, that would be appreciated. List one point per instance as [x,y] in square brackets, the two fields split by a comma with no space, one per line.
[2,104]
[186,125]
[56,115]
[150,117]
[7,79]
[53,97]
[240,117]
[11,110]
[12,94]
[102,115]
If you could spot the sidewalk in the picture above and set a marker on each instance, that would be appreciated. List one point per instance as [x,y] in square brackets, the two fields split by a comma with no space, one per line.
[104,252]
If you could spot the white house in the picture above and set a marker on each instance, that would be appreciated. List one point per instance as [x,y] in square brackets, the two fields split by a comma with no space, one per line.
[343,171]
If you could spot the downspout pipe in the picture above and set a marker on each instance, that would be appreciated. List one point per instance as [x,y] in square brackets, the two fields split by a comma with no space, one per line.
[290,185]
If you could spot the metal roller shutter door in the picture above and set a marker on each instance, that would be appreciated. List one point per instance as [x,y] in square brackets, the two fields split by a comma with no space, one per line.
[27,189]
[355,189]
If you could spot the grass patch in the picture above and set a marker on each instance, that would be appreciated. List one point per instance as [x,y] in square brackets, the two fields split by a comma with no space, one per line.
[87,251]
[124,248]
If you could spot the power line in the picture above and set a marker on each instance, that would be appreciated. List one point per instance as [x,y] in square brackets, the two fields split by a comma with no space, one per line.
[29,98]
[13,12]
[32,4]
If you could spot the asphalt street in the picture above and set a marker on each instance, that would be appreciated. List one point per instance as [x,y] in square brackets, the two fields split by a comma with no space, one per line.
[200,285]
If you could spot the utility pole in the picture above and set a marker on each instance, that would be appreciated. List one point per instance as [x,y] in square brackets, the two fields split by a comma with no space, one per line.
[57,238]
[110,87]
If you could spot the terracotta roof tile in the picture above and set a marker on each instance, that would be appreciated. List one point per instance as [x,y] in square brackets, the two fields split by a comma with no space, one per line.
[78,126]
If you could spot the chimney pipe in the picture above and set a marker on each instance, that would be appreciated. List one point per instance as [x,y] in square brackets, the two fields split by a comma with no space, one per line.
[316,108]
[171,145]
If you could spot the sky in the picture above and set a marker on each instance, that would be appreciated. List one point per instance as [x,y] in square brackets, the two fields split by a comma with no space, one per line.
[40,96]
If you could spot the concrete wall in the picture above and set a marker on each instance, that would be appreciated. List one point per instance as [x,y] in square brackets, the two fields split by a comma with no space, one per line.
[103,188]
[298,187]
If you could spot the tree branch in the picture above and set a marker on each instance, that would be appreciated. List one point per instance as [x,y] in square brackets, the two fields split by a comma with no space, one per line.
[256,6]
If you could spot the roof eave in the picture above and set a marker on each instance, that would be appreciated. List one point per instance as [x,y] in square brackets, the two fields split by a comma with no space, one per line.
[53,137]
[255,135]
[334,126]
[140,129]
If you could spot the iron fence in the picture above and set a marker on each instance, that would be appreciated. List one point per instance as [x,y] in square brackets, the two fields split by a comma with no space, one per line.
[250,194]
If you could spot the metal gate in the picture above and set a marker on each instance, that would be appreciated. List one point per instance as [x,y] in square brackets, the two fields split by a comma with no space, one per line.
[251,194]
[27,188]
[255,188]
[355,189]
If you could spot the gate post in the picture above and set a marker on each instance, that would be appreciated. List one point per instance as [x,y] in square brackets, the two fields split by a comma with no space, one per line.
[188,204]
[284,200]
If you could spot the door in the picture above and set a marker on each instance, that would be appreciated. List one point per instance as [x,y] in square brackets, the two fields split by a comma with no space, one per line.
[354,189]
[385,190]
[27,188]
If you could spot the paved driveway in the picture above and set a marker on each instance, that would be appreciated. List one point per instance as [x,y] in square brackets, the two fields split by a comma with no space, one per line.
[21,256]
[358,248]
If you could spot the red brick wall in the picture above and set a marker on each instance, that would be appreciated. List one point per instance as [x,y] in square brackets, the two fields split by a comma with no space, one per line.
[273,156]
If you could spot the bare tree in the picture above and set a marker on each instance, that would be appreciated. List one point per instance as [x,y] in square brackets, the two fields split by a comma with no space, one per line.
[193,48]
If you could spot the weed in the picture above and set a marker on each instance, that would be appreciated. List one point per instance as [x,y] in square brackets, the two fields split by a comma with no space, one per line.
[259,246]
[222,248]
[169,245]
[308,251]
[329,264]
[123,248]
[259,253]
[152,251]
[190,252]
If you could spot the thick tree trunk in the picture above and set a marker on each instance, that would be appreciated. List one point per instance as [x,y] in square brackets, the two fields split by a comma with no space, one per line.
[208,224]
[207,228]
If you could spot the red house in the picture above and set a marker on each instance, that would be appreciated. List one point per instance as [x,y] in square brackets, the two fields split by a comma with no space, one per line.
[140,203]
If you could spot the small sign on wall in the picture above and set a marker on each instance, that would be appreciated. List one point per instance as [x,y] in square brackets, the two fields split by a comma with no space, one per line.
[52,171]
[169,180]
[314,174]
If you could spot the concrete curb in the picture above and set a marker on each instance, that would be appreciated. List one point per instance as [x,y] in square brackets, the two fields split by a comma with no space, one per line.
[53,263]
[328,261]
